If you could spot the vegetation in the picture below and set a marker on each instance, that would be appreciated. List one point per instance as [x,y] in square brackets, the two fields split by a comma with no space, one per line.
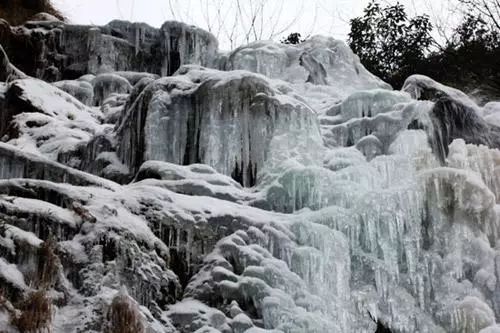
[35,313]
[293,38]
[48,264]
[393,46]
[123,315]
[388,42]
[17,12]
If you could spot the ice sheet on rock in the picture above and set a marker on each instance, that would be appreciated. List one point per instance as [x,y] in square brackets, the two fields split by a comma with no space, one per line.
[108,83]
[15,163]
[340,158]
[317,61]
[384,126]
[311,187]
[81,90]
[51,101]
[370,146]
[491,113]
[368,103]
[465,194]
[491,329]
[113,107]
[134,77]
[373,224]
[195,113]
[191,315]
[472,315]
[479,159]
[194,179]
[422,87]
[183,44]
[250,277]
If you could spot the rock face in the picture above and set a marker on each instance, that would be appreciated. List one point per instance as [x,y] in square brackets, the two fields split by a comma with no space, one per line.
[283,190]
[66,51]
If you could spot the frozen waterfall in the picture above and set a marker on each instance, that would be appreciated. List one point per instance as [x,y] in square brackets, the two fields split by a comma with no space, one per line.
[273,189]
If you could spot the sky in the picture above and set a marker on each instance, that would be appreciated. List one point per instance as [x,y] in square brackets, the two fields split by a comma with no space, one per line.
[308,17]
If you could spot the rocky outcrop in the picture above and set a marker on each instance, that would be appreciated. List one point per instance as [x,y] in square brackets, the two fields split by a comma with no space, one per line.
[54,50]
[42,118]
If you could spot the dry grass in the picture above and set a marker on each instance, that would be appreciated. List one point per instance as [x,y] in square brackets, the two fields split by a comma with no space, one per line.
[35,313]
[48,264]
[124,316]
[17,12]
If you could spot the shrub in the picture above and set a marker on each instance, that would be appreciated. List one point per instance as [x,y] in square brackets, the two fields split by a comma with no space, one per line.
[293,38]
[123,315]
[48,264]
[35,313]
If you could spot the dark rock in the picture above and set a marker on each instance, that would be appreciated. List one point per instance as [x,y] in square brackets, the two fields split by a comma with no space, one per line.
[453,119]
[54,51]
[7,70]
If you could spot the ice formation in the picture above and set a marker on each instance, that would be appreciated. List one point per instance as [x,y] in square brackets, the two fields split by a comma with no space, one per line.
[272,189]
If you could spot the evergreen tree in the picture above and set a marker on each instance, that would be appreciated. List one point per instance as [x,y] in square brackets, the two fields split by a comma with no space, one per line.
[389,43]
[293,38]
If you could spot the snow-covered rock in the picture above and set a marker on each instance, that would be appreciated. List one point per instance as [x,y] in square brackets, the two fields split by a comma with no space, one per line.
[424,88]
[41,118]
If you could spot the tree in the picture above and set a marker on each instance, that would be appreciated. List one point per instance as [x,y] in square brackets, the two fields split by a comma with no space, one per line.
[237,21]
[488,10]
[474,31]
[293,38]
[390,44]
[470,60]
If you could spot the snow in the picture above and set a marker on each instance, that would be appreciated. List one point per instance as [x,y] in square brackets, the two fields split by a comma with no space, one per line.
[10,274]
[419,86]
[19,235]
